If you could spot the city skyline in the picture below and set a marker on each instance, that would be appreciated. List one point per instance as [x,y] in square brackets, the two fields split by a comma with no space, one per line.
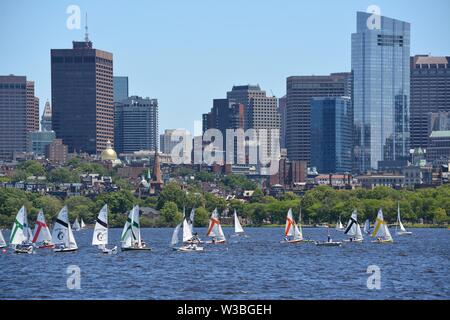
[184,57]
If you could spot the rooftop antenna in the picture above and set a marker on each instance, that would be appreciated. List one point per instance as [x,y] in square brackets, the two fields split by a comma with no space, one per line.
[86,35]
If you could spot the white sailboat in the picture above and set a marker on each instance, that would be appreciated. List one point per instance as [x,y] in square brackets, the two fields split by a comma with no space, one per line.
[353,229]
[2,240]
[292,232]
[62,235]
[131,234]
[100,236]
[76,225]
[238,230]
[367,227]
[339,226]
[42,237]
[403,231]
[381,230]
[82,225]
[195,238]
[215,229]
[20,237]
[190,247]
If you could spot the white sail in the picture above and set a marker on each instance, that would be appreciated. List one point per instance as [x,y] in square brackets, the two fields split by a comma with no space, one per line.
[353,229]
[187,234]
[19,230]
[76,225]
[82,225]
[126,236]
[136,227]
[339,225]
[381,230]
[100,236]
[297,233]
[175,235]
[237,225]
[191,220]
[62,232]
[2,240]
[399,221]
[220,234]
[367,227]
[289,230]
[41,230]
[215,229]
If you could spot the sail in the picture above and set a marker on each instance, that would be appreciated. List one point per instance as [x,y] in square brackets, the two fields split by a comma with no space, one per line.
[175,235]
[220,234]
[367,227]
[381,230]
[82,225]
[191,220]
[136,227]
[213,222]
[289,230]
[399,221]
[2,240]
[41,230]
[126,236]
[237,225]
[297,233]
[339,225]
[76,225]
[19,231]
[100,236]
[60,233]
[72,242]
[353,229]
[187,234]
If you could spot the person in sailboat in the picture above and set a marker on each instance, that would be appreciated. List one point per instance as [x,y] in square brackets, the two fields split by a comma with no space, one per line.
[329,238]
[213,240]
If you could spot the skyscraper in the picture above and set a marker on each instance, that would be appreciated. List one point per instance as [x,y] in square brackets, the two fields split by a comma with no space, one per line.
[331,134]
[136,124]
[82,97]
[32,108]
[430,93]
[46,119]
[13,116]
[300,90]
[120,88]
[283,118]
[381,91]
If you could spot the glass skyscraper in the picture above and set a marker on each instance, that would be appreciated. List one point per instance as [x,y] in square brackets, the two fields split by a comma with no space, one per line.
[331,134]
[120,85]
[381,90]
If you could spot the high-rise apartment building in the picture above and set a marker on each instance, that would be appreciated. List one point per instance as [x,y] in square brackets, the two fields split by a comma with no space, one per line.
[82,97]
[381,91]
[136,124]
[430,93]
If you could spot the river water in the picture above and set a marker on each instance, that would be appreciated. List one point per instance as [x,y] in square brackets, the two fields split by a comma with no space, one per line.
[259,267]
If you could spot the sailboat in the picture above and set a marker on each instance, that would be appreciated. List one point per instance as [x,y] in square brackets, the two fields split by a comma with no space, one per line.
[21,234]
[367,227]
[131,234]
[42,237]
[291,231]
[100,236]
[187,235]
[76,225]
[215,229]
[188,229]
[238,230]
[381,230]
[329,242]
[62,235]
[2,240]
[82,225]
[339,226]
[353,229]
[403,231]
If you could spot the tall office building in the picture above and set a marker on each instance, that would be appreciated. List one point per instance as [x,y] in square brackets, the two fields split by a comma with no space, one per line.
[82,97]
[46,119]
[136,124]
[13,116]
[381,91]
[300,90]
[331,134]
[32,108]
[120,85]
[430,93]
[283,118]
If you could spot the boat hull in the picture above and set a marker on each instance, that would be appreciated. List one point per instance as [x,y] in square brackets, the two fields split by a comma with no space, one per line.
[65,249]
[48,246]
[404,233]
[328,244]
[355,240]
[136,249]
[383,241]
[187,249]
[216,242]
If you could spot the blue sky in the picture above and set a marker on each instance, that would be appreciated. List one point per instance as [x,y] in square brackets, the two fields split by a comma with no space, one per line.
[186,53]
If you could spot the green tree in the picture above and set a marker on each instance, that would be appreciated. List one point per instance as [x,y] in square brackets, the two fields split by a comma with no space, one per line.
[170,213]
[62,175]
[440,216]
[201,218]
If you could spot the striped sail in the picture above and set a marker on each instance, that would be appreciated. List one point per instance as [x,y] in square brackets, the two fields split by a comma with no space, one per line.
[289,228]
[100,236]
[41,231]
[19,230]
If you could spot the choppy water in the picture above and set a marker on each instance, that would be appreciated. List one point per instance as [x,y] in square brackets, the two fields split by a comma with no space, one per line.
[414,267]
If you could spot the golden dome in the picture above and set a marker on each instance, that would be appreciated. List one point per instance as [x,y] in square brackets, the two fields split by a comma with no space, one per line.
[108,153]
